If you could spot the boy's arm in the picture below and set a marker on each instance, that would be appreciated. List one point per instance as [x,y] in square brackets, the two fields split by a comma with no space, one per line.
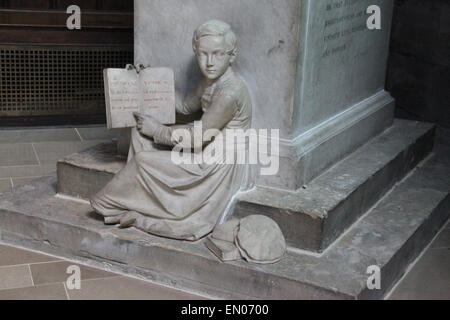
[191,104]
[217,116]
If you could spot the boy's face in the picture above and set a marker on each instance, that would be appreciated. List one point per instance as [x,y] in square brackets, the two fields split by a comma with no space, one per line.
[212,56]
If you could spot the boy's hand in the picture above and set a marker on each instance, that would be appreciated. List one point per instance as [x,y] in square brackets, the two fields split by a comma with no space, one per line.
[146,125]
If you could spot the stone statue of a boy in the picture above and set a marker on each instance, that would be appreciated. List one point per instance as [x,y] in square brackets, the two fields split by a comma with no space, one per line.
[184,201]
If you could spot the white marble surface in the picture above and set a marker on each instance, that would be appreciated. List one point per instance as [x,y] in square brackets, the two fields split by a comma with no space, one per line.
[267,34]
[297,85]
[341,62]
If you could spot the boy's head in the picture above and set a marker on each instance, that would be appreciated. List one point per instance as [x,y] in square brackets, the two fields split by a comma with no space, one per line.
[214,45]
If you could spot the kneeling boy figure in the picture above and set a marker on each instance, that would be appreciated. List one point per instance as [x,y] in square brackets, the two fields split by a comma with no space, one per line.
[184,201]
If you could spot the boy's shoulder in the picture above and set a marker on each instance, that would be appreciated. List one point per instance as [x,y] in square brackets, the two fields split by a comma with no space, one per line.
[234,88]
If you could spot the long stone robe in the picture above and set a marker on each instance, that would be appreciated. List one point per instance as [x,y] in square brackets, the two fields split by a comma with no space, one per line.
[183,201]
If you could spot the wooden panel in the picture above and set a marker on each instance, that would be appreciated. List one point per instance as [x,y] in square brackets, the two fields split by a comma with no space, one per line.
[49,71]
[49,18]
[44,22]
[64,37]
[117,5]
[83,4]
[27,4]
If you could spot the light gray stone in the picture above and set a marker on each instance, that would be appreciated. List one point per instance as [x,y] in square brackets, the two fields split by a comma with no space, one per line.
[131,289]
[17,154]
[38,135]
[51,152]
[341,62]
[315,73]
[184,200]
[12,277]
[5,185]
[83,174]
[27,171]
[12,256]
[224,250]
[226,231]
[391,236]
[257,239]
[97,133]
[260,240]
[48,292]
[313,217]
[19,181]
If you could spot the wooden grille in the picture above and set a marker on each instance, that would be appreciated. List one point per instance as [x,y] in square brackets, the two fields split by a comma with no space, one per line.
[37,81]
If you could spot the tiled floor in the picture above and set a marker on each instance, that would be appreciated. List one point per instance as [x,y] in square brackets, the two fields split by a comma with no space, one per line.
[429,279]
[28,154]
[32,153]
[30,275]
[33,276]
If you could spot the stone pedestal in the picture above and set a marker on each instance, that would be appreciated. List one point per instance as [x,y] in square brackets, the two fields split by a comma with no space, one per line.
[311,218]
[315,71]
[317,75]
[390,236]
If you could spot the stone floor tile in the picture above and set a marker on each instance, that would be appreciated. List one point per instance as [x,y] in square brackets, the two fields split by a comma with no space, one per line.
[5,185]
[20,171]
[48,292]
[408,294]
[38,135]
[97,133]
[17,154]
[428,279]
[33,171]
[124,288]
[15,277]
[48,169]
[51,152]
[442,240]
[10,256]
[47,273]
[21,181]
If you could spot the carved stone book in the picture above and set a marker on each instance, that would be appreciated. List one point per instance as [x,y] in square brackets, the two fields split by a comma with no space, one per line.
[224,250]
[150,92]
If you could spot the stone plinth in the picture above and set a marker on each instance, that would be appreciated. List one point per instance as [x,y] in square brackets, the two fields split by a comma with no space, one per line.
[313,217]
[315,71]
[391,236]
[83,174]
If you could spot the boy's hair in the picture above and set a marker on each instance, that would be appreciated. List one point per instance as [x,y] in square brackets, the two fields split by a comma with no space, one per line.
[216,28]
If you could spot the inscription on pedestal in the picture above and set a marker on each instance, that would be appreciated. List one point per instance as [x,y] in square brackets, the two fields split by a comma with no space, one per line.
[345,18]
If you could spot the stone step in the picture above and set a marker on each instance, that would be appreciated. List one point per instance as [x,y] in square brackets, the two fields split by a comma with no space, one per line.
[312,218]
[83,174]
[390,236]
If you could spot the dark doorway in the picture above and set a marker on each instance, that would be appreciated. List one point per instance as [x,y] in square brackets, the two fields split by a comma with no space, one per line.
[51,75]
[419,63]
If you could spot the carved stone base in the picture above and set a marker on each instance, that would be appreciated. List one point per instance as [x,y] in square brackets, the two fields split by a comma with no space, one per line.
[310,154]
[313,217]
[391,236]
[83,174]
